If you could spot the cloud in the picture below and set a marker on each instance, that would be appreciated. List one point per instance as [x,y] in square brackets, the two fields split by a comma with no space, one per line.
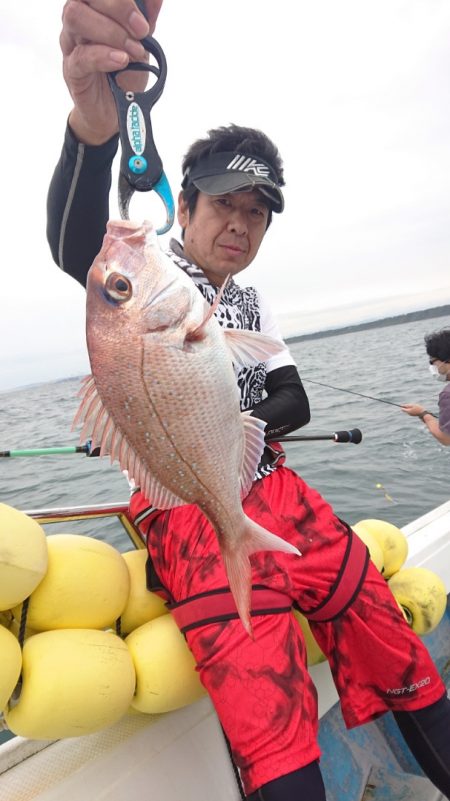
[356,95]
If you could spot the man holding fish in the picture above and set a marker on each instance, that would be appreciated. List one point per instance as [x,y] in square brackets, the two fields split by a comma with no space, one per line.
[189,375]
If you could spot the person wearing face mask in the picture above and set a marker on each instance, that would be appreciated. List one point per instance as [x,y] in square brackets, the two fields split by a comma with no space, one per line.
[438,350]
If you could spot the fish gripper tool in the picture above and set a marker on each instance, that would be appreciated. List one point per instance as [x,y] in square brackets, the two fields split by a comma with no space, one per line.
[141,168]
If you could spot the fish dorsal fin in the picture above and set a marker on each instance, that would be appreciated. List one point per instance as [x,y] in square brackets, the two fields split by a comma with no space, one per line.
[99,425]
[251,347]
[199,332]
[253,448]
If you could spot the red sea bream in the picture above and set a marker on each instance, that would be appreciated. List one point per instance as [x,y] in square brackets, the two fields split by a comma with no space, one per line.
[163,399]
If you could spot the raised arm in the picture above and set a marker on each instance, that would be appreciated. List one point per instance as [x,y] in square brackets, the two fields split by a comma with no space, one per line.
[96,37]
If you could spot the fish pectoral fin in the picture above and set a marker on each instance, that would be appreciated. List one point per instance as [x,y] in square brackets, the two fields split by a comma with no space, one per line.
[250,347]
[199,332]
[253,448]
[254,538]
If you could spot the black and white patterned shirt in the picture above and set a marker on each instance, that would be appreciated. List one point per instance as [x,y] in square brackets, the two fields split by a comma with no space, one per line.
[240,308]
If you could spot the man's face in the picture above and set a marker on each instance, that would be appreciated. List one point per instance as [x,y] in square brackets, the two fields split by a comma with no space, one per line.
[224,233]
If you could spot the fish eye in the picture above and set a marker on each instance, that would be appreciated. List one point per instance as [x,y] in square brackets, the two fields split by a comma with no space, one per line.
[117,287]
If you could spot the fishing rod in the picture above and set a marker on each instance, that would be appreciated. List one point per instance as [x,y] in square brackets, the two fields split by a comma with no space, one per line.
[352,392]
[354,435]
[86,449]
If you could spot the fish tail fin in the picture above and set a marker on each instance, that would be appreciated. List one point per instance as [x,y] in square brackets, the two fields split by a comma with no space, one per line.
[238,568]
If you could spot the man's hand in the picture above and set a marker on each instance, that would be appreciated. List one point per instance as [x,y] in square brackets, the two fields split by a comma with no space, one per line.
[413,409]
[99,36]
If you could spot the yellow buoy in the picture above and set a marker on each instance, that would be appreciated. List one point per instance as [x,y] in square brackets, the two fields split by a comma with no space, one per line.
[314,654]
[142,605]
[422,597]
[166,678]
[11,664]
[23,556]
[391,539]
[375,549]
[74,682]
[86,585]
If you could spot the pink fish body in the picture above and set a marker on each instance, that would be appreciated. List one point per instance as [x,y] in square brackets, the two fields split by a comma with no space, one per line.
[163,398]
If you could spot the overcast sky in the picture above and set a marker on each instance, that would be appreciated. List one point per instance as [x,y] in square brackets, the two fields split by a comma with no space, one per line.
[355,93]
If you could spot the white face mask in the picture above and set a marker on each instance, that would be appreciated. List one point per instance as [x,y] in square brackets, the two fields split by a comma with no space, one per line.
[436,374]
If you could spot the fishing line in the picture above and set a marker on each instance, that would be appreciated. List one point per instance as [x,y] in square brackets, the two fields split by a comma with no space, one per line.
[351,392]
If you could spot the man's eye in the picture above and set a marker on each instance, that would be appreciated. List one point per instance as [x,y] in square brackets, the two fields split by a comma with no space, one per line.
[259,212]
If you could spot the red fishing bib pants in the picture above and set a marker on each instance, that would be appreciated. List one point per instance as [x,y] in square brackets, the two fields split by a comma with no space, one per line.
[261,688]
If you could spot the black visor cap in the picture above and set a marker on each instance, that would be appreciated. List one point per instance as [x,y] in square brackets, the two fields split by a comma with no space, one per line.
[222,173]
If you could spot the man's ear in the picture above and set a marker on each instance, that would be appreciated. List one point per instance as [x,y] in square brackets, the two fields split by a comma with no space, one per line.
[182,211]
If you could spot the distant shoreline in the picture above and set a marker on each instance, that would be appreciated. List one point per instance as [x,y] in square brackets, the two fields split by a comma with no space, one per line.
[423,314]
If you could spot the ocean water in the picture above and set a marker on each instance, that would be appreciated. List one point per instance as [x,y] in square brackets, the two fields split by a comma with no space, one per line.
[397,473]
